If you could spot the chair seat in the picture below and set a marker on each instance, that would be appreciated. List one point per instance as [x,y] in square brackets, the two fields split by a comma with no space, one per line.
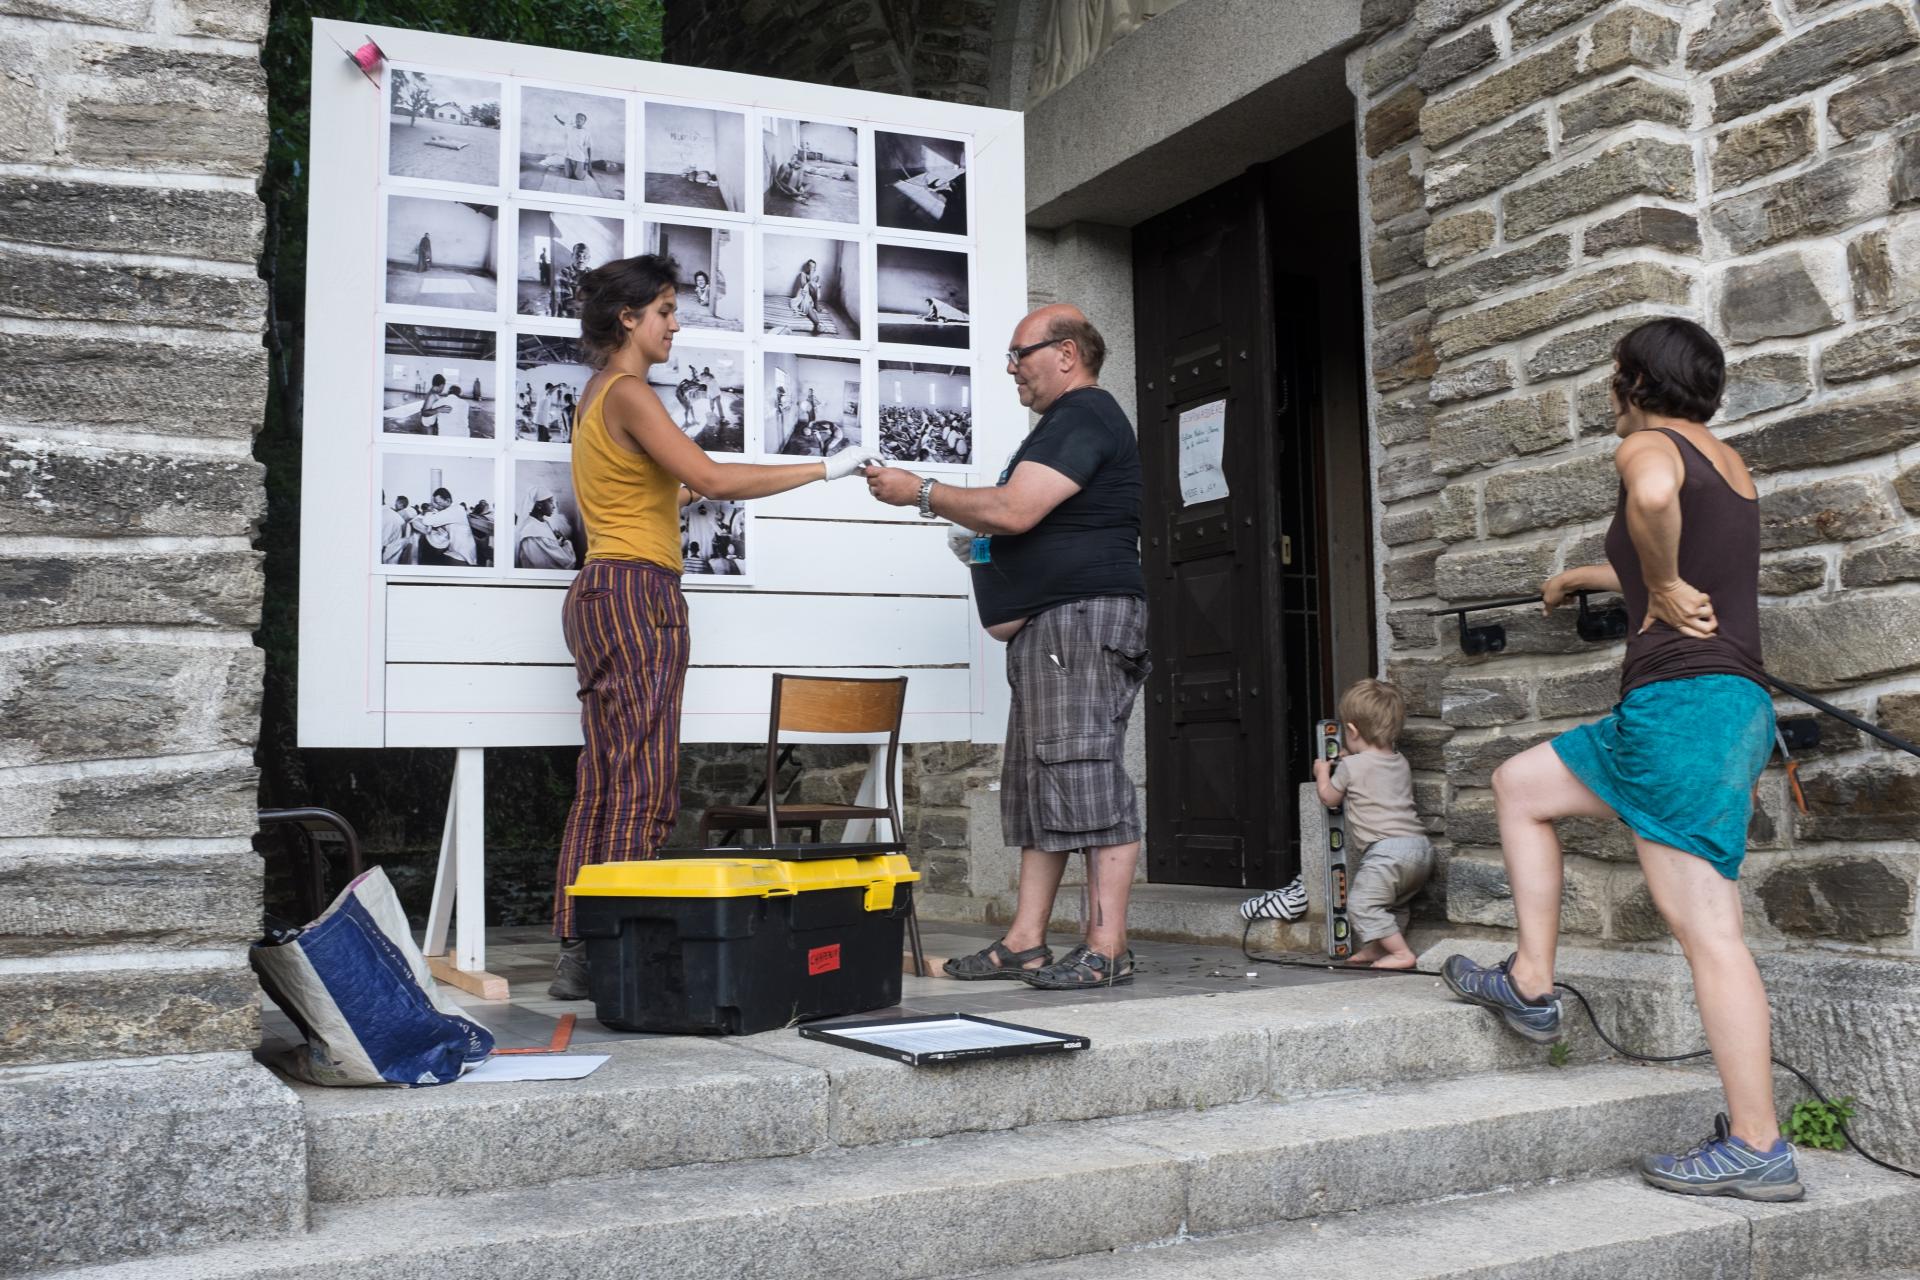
[744,814]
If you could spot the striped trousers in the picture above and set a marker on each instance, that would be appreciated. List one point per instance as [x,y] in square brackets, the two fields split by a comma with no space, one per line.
[626,627]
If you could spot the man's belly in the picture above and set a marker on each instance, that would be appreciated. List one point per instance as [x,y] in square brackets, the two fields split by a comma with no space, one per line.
[1006,630]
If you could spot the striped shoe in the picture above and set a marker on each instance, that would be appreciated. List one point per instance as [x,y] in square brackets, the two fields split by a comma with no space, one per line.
[1287,903]
[1723,1165]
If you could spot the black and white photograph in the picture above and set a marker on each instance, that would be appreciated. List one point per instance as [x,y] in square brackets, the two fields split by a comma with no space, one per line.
[811,171]
[920,184]
[926,413]
[704,391]
[436,511]
[554,248]
[810,287]
[573,144]
[443,128]
[713,538]
[922,296]
[712,265]
[438,382]
[547,533]
[550,374]
[811,404]
[696,157]
[442,253]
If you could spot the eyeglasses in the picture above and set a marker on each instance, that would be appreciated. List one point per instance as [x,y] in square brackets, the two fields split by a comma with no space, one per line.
[1016,354]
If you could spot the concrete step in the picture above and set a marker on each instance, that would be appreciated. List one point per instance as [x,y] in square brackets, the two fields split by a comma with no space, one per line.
[981,1201]
[1586,1230]
[670,1101]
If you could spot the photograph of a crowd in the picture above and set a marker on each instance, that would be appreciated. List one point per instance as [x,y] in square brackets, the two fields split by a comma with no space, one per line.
[920,184]
[438,382]
[811,403]
[926,413]
[443,128]
[549,375]
[436,511]
[573,144]
[704,390]
[442,253]
[711,262]
[810,170]
[713,538]
[696,157]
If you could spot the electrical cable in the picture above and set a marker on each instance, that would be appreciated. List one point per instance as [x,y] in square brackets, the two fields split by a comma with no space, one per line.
[1290,962]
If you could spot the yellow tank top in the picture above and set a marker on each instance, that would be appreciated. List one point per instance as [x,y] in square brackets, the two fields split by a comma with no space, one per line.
[629,503]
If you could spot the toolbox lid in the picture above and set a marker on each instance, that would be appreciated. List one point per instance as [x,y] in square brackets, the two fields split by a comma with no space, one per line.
[744,878]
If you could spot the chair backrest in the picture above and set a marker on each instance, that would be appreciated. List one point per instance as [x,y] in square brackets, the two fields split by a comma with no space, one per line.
[832,704]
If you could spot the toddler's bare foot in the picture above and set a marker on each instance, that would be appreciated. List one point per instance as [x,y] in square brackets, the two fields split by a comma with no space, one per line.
[1367,954]
[1405,960]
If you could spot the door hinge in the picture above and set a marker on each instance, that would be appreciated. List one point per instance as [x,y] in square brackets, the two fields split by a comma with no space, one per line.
[1286,549]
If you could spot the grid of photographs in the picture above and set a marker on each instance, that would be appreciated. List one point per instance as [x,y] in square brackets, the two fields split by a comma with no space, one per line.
[824,272]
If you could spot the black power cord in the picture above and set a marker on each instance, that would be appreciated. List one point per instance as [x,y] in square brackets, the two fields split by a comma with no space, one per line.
[1289,962]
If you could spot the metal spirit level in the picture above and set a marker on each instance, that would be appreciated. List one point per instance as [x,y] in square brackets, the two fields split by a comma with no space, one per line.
[1326,736]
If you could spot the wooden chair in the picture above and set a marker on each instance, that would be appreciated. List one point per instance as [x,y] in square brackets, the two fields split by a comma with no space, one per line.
[819,704]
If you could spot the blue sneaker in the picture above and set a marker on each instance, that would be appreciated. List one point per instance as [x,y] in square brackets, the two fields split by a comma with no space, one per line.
[1478,984]
[1725,1166]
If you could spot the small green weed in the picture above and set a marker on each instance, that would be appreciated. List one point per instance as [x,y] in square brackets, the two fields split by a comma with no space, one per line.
[1559,1054]
[1815,1124]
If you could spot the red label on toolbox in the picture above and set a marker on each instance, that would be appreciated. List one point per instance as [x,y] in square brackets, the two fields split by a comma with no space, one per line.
[823,959]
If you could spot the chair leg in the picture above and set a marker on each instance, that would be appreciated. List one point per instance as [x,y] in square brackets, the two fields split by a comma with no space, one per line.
[913,938]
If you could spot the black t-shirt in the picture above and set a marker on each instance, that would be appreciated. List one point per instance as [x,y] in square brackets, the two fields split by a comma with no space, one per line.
[1087,546]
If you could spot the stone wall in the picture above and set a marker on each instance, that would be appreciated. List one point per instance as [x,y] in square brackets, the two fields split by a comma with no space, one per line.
[1541,175]
[131,135]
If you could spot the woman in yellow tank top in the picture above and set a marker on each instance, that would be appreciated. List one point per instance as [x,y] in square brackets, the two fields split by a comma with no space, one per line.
[625,619]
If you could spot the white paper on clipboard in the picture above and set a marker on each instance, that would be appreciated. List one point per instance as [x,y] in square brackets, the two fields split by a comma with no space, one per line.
[1203,439]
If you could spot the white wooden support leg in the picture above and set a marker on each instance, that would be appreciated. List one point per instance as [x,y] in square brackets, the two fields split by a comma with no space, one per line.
[460,887]
[873,793]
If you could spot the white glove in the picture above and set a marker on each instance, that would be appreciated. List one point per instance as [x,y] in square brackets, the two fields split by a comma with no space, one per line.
[960,542]
[845,463]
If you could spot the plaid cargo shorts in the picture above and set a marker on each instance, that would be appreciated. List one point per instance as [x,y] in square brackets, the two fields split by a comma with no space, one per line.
[1074,671]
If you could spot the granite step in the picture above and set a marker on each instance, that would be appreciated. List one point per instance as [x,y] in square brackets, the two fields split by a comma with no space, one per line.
[985,1200]
[669,1101]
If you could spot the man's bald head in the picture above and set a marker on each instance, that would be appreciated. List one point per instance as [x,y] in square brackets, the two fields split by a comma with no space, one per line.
[1062,322]
[1066,354]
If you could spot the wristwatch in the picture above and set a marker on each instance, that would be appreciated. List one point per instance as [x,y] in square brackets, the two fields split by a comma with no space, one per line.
[926,500]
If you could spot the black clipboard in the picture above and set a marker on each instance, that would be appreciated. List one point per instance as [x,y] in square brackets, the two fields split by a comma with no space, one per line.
[943,1037]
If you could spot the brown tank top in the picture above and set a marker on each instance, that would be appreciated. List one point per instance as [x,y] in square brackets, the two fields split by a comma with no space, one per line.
[1720,555]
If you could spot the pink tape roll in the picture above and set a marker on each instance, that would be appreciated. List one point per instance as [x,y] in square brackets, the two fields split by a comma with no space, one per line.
[367,56]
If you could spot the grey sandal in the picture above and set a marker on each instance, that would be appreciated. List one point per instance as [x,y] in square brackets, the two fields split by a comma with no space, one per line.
[1082,969]
[996,961]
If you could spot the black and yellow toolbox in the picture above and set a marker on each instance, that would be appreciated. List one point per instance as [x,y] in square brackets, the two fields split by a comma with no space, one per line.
[742,943]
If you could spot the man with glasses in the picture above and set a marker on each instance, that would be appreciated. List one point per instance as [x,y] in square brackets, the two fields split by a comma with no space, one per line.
[1057,576]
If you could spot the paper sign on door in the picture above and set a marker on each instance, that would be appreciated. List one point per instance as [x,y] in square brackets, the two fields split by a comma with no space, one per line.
[1203,438]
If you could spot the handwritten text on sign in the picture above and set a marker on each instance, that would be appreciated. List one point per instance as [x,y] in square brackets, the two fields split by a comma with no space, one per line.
[1203,438]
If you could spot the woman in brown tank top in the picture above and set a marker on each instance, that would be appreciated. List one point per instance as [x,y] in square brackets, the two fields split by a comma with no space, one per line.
[1678,757]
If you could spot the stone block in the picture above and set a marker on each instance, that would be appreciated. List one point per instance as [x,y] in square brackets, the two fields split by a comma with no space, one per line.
[1737,27]
[1885,100]
[1403,353]
[1866,353]
[1445,62]
[1631,915]
[1746,151]
[1779,297]
[1836,510]
[1578,350]
[1437,17]
[1406,475]
[1789,575]
[1394,190]
[198,385]
[1582,691]
[1855,899]
[1541,260]
[1630,36]
[1423,745]
[1593,408]
[1882,563]
[128,15]
[188,588]
[1470,381]
[1875,800]
[1394,120]
[1832,196]
[1899,713]
[91,701]
[1471,701]
[225,226]
[1458,236]
[1903,186]
[1647,225]
[1907,486]
[1388,65]
[1759,383]
[1456,516]
[1488,163]
[142,107]
[1403,420]
[1478,893]
[225,19]
[1471,758]
[26,99]
[1482,434]
[50,489]
[1379,16]
[1633,167]
[53,901]
[1861,426]
[1466,574]
[1413,628]
[1632,100]
[166,800]
[1841,641]
[1877,286]
[43,286]
[1529,80]
[1586,548]
[1815,56]
[1420,679]
[91,1014]
[1399,528]
[1536,18]
[1547,497]
[1396,304]
[1396,253]
[134,1161]
[1629,284]
[1409,576]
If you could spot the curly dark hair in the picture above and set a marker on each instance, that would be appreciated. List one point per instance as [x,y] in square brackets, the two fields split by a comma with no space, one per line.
[1671,367]
[608,290]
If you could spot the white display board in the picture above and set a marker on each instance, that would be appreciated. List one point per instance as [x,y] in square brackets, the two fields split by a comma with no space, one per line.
[854,264]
